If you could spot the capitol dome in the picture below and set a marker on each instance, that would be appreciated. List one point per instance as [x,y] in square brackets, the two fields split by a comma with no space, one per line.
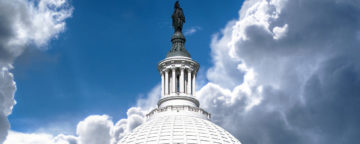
[178,118]
[176,129]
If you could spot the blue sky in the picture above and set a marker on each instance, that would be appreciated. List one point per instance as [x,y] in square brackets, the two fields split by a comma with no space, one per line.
[106,58]
[272,71]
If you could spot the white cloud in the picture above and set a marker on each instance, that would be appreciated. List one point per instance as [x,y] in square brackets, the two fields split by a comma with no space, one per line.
[280,32]
[95,129]
[151,99]
[192,30]
[64,139]
[284,72]
[281,71]
[135,117]
[225,66]
[113,133]
[18,138]
[7,90]
[38,138]
[24,23]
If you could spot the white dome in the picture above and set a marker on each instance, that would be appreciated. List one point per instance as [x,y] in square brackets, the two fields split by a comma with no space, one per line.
[179,129]
[178,119]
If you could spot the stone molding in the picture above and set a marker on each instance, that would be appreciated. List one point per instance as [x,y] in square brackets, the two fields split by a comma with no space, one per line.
[179,108]
[178,62]
[178,96]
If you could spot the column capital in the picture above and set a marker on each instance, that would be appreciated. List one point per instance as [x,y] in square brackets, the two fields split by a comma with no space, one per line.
[164,71]
[190,69]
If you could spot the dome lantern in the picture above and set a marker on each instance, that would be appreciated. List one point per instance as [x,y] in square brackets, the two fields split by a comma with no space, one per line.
[178,118]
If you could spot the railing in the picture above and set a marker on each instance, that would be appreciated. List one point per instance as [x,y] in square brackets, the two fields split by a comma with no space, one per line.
[177,108]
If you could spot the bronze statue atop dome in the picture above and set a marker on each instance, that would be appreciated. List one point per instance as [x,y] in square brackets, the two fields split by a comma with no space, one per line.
[178,18]
[178,39]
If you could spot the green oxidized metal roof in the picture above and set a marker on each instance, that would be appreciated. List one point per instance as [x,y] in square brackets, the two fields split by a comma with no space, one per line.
[178,46]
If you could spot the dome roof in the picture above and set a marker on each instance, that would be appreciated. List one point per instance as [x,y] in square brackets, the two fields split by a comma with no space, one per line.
[178,119]
[178,46]
[179,129]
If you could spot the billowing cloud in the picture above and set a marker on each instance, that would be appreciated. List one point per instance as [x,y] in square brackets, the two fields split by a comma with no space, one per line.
[135,117]
[38,138]
[95,130]
[93,127]
[151,99]
[284,72]
[7,90]
[287,72]
[24,23]
[64,139]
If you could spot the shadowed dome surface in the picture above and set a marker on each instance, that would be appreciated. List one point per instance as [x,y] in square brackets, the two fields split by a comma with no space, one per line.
[177,129]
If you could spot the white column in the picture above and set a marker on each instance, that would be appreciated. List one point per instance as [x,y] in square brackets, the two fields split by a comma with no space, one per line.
[182,80]
[189,82]
[173,80]
[166,82]
[193,84]
[162,84]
